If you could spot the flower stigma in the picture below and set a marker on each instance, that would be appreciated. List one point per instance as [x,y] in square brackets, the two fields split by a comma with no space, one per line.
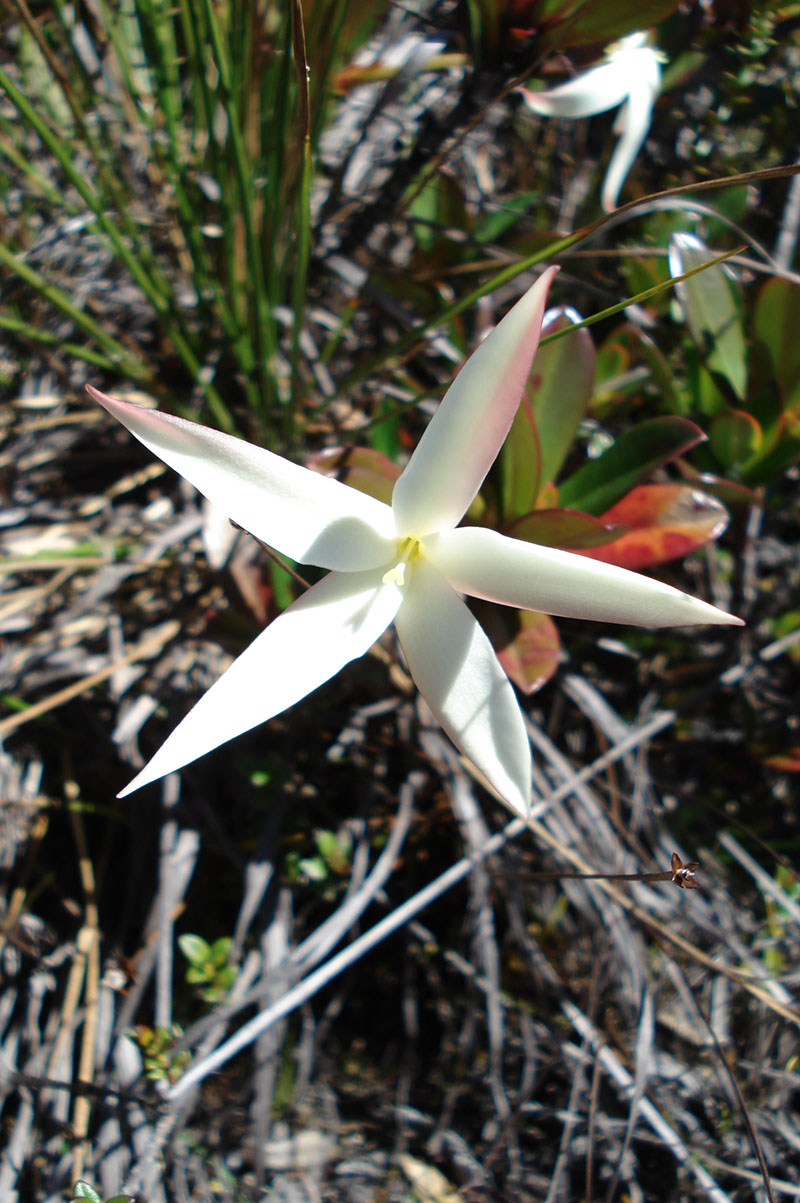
[409,548]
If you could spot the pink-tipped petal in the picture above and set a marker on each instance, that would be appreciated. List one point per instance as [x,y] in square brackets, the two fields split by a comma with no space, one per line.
[467,431]
[334,622]
[459,676]
[312,518]
[486,564]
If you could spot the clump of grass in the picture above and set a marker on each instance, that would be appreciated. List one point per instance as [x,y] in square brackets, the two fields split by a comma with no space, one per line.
[182,136]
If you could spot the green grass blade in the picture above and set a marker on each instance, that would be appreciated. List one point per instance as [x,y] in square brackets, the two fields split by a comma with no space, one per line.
[117,352]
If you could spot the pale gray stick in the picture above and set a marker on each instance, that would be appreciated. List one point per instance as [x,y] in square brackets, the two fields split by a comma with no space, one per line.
[184,859]
[337,964]
[476,834]
[654,1118]
[763,880]
[407,910]
[328,934]
[145,1169]
[555,1191]
[168,841]
[645,1039]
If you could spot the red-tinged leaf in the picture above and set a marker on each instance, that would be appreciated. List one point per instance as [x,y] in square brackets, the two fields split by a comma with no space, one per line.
[666,522]
[362,468]
[735,436]
[526,642]
[776,322]
[601,482]
[564,528]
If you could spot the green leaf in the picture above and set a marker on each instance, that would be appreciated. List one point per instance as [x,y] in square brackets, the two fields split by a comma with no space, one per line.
[627,361]
[769,467]
[490,227]
[333,849]
[612,365]
[194,948]
[710,303]
[564,528]
[560,387]
[555,400]
[590,22]
[221,949]
[82,1190]
[603,481]
[776,323]
[384,433]
[734,437]
[521,463]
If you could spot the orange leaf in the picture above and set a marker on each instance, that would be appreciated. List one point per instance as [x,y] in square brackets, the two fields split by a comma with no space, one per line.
[666,523]
[785,762]
[530,655]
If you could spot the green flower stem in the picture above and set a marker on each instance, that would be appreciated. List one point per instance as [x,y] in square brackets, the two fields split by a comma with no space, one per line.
[640,297]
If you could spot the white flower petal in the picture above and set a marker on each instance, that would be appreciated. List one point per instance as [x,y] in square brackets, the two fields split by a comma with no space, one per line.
[594,91]
[632,73]
[465,434]
[460,677]
[633,122]
[312,518]
[485,564]
[334,622]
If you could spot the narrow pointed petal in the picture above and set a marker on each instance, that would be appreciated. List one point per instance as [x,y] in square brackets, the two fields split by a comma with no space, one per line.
[334,622]
[465,434]
[312,518]
[460,677]
[632,124]
[593,91]
[485,564]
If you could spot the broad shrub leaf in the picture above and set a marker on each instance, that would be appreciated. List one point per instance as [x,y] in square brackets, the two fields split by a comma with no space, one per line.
[710,303]
[602,482]
[565,529]
[662,522]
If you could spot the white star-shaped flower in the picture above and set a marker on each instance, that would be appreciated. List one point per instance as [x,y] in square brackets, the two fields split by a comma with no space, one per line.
[405,563]
[630,76]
